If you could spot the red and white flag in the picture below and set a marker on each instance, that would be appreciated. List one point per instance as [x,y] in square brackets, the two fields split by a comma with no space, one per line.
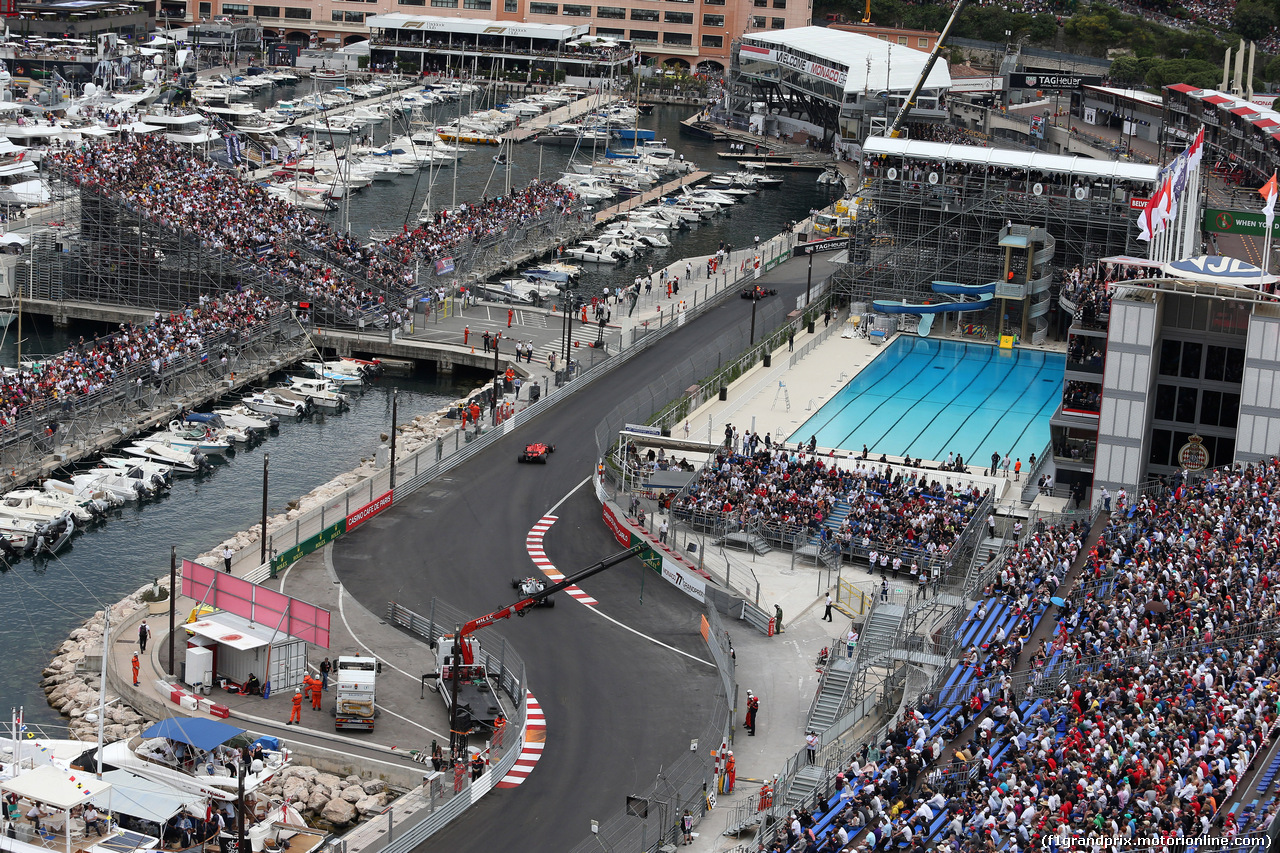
[1195,151]
[1269,192]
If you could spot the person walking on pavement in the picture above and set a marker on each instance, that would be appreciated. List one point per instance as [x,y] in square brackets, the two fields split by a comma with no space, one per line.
[826,616]
[662,532]
[136,665]
[995,464]
[1017,469]
[325,668]
[315,694]
[466,333]
[686,826]
[227,554]
[295,713]
[144,633]
[510,314]
[485,338]
[777,617]
[753,707]
[1006,466]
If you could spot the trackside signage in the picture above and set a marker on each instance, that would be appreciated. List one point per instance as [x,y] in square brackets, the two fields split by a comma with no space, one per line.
[787,60]
[1246,223]
[619,532]
[368,511]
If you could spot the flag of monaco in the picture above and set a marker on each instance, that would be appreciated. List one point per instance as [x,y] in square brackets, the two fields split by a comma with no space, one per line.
[1195,151]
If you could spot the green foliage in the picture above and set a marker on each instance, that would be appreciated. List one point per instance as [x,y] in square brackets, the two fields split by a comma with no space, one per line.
[1252,20]
[1163,72]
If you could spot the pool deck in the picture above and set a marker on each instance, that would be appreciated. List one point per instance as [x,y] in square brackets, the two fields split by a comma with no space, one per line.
[779,399]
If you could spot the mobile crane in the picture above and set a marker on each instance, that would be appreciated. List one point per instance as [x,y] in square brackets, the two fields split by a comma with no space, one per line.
[460,663]
[895,129]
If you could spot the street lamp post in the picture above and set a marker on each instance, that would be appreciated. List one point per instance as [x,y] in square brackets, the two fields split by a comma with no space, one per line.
[754,300]
[266,459]
[496,386]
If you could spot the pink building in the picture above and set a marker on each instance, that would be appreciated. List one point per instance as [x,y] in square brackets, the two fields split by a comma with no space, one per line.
[684,33]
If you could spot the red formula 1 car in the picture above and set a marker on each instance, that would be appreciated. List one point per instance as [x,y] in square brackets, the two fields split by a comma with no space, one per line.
[536,452]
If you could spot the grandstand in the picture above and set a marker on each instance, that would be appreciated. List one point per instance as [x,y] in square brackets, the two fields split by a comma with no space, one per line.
[1118,680]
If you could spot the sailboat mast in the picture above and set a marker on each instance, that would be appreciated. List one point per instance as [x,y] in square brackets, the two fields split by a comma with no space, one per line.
[102,682]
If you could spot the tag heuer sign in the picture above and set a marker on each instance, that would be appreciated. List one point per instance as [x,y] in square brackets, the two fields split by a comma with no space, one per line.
[1193,456]
[1053,81]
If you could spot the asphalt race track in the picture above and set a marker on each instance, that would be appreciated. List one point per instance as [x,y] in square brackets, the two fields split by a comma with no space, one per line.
[617,707]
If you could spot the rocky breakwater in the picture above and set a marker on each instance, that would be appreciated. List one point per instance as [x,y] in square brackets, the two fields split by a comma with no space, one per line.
[71,680]
[330,801]
[420,433]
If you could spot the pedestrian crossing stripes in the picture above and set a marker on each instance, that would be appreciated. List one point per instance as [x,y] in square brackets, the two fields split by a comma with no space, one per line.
[582,335]
[535,739]
[533,544]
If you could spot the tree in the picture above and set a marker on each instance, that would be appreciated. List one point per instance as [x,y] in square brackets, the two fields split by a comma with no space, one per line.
[1252,21]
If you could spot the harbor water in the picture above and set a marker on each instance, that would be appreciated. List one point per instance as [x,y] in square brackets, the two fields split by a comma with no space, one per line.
[45,599]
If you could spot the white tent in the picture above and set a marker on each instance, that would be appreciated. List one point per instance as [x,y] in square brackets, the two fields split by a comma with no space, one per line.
[56,788]
[144,798]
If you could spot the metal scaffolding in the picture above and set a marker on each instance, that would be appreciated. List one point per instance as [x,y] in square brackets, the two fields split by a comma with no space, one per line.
[943,222]
[105,252]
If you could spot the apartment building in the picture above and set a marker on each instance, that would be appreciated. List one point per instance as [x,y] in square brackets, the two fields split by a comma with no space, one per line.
[693,34]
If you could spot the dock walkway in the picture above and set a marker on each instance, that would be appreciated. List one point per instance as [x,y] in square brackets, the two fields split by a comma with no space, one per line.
[527,130]
[603,216]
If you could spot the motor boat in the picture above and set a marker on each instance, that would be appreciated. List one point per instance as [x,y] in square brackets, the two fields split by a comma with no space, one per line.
[26,508]
[321,392]
[164,753]
[35,537]
[118,483]
[630,232]
[154,482]
[598,252]
[82,494]
[362,366]
[181,461]
[272,402]
[554,272]
[242,417]
[153,469]
[84,511]
[205,441]
[338,377]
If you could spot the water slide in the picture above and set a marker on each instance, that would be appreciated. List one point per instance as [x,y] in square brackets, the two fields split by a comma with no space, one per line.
[982,294]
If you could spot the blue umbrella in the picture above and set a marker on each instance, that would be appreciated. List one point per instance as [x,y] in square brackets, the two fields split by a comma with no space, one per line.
[1057,601]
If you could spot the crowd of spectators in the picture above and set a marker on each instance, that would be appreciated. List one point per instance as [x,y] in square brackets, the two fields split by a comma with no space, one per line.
[1090,286]
[937,132]
[1166,660]
[167,184]
[1082,396]
[93,365]
[894,514]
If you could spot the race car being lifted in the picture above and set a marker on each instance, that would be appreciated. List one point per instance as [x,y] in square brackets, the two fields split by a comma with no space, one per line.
[461,675]
[530,587]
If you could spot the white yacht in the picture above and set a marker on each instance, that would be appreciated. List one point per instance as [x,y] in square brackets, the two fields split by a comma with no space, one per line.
[321,392]
[271,402]
[166,750]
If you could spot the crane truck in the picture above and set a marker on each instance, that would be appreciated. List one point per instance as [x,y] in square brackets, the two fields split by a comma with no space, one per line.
[461,677]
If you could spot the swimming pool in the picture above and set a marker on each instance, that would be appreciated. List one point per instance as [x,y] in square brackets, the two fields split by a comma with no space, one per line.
[926,398]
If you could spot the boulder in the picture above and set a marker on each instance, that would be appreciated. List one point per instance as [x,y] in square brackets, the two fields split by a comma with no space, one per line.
[317,801]
[296,789]
[372,804]
[339,812]
[374,786]
[354,794]
[329,780]
[352,780]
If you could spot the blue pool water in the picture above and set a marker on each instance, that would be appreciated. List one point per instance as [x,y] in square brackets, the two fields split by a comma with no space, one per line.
[926,398]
